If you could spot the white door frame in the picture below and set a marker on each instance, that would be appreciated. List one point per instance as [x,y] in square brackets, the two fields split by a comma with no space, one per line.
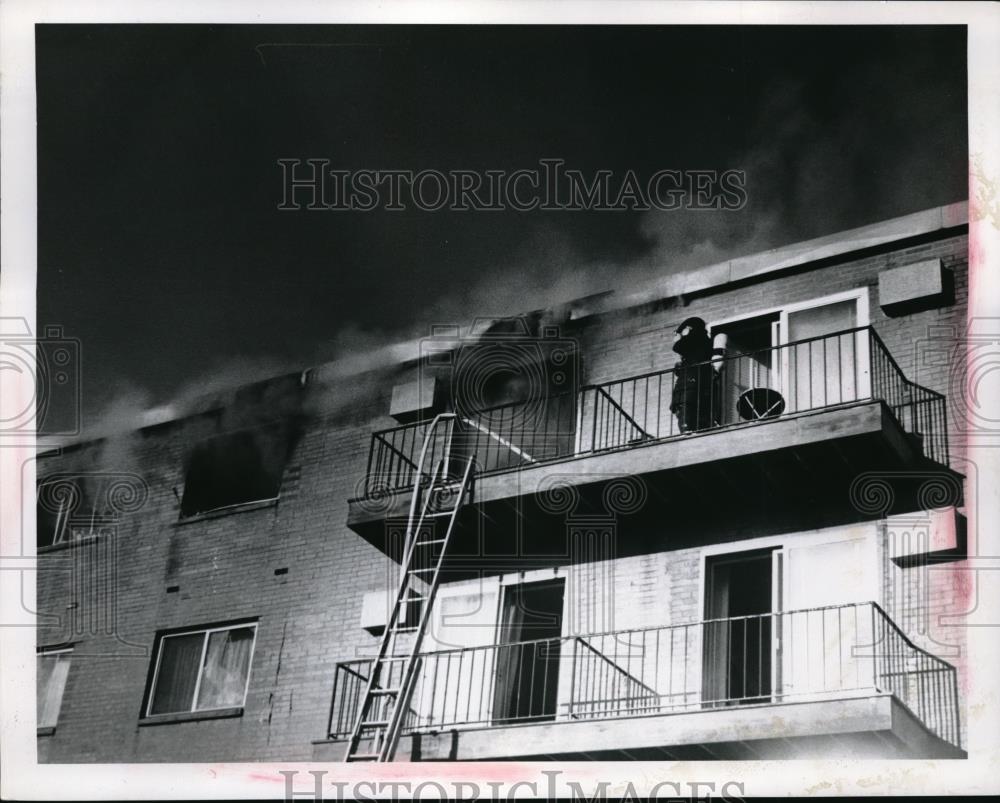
[860,294]
[860,297]
[866,531]
[779,333]
[775,543]
[777,606]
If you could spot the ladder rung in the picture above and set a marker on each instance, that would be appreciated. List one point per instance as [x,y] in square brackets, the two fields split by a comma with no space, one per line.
[429,543]
[420,571]
[375,723]
[364,757]
[408,629]
[394,690]
[388,658]
[446,485]
[438,514]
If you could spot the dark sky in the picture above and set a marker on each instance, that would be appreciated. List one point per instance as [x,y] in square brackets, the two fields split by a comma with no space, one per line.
[162,249]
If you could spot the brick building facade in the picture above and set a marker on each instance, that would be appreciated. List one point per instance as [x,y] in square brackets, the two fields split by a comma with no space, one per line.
[278,571]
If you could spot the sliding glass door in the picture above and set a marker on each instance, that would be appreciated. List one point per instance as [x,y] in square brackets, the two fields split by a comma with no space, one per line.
[823,363]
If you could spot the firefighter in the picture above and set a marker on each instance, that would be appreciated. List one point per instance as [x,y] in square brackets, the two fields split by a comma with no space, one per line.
[696,399]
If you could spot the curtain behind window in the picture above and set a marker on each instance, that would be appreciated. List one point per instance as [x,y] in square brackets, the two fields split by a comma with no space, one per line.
[178,674]
[509,655]
[52,673]
[227,662]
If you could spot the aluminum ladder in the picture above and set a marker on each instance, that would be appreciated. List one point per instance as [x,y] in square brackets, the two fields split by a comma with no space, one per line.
[383,708]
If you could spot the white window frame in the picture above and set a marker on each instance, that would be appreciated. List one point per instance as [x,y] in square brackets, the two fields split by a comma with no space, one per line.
[61,528]
[63,531]
[206,633]
[46,652]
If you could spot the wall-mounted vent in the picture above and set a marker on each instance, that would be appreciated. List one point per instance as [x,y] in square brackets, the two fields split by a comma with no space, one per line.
[415,400]
[912,288]
[912,538]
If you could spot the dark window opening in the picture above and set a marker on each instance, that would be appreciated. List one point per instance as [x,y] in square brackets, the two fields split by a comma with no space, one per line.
[514,389]
[750,361]
[70,508]
[513,361]
[235,469]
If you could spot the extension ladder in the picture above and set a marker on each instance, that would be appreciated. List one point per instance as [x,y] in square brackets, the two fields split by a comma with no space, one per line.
[381,715]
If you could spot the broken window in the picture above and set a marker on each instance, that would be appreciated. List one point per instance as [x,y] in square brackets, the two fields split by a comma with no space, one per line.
[202,670]
[514,387]
[52,670]
[52,515]
[235,469]
[70,508]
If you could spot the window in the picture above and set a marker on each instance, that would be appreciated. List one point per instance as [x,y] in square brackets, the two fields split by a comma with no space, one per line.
[52,516]
[202,670]
[70,508]
[52,668]
[235,469]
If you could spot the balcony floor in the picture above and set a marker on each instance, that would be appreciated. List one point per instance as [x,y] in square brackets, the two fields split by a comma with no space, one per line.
[780,475]
[869,727]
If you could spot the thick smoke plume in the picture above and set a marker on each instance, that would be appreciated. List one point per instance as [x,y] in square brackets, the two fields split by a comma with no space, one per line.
[805,177]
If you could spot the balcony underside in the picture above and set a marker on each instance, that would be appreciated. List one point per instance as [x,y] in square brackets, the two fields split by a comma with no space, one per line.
[780,475]
[872,727]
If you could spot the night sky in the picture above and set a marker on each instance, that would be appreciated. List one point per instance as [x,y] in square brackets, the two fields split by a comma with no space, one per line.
[162,249]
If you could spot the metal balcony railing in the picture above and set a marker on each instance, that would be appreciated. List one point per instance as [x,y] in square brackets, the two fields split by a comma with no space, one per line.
[808,375]
[792,656]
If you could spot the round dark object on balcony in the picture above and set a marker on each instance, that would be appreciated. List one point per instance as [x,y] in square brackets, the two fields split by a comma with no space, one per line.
[758,403]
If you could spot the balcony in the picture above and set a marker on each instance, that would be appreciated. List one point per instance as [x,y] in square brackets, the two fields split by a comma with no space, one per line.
[832,681]
[801,423]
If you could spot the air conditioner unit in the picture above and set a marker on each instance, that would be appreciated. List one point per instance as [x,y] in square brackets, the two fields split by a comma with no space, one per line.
[914,287]
[375,608]
[413,401]
[932,532]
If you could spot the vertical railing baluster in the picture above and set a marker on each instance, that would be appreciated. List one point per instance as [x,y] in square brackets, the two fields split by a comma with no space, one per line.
[572,679]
